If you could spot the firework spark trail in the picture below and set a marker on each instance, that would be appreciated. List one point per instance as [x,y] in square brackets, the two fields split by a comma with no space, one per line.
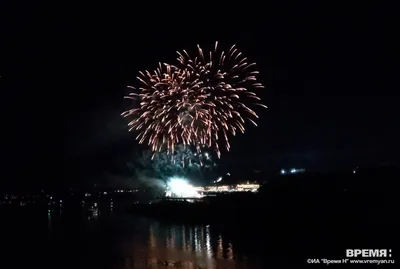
[197,102]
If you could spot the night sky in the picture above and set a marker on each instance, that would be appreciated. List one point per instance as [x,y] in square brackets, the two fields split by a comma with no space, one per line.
[330,74]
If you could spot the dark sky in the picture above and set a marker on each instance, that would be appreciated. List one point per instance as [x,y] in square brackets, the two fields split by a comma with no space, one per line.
[331,77]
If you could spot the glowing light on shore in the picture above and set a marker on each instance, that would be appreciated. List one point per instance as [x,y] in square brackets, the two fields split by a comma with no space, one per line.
[180,187]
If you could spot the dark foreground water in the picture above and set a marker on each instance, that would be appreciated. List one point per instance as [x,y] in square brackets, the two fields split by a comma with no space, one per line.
[38,240]
[113,241]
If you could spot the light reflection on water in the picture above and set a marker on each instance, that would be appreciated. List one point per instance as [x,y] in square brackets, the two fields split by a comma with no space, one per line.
[179,246]
[123,242]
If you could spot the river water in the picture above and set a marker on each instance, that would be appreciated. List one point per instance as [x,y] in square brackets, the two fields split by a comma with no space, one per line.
[115,241]
[111,240]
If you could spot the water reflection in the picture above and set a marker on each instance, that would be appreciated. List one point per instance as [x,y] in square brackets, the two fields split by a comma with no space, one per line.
[49,222]
[119,241]
[177,246]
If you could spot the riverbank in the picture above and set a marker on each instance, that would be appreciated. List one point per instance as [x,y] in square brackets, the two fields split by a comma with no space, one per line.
[368,197]
[346,209]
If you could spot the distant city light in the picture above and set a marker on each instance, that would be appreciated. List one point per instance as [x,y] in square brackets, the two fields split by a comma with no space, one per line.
[248,187]
[292,171]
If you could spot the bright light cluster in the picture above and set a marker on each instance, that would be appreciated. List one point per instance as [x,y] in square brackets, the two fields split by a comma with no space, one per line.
[199,101]
[179,187]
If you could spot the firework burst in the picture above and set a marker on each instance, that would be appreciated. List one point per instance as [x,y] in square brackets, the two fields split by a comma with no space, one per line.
[197,102]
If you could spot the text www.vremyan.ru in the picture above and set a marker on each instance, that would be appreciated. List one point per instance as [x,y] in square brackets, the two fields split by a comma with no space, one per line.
[372,261]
